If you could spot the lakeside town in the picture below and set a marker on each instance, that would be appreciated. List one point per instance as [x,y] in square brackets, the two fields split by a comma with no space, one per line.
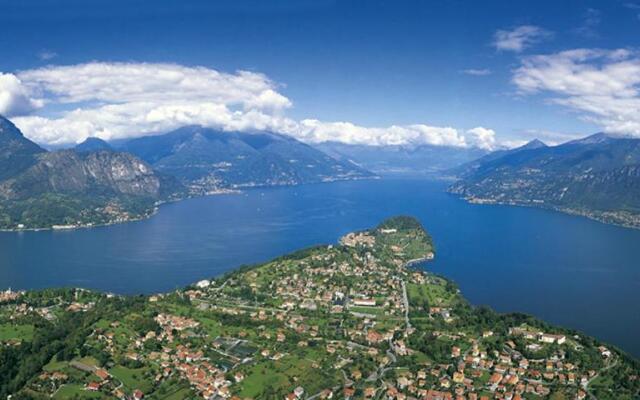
[353,320]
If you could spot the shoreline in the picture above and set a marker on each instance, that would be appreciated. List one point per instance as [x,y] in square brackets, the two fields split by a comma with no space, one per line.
[414,265]
[568,211]
[157,205]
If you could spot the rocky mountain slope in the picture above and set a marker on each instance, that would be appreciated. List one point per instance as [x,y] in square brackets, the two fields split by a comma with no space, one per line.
[598,176]
[16,152]
[43,189]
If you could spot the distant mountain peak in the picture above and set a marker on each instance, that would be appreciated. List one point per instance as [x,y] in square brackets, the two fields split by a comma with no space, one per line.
[534,144]
[599,137]
[91,144]
[7,128]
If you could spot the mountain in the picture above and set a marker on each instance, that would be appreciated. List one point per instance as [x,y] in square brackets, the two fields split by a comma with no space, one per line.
[42,189]
[85,173]
[93,144]
[209,159]
[17,153]
[402,160]
[598,176]
[472,166]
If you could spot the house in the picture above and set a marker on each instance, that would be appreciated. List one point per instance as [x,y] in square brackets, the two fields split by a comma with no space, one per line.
[137,394]
[604,352]
[93,386]
[445,382]
[102,374]
[203,284]
[373,336]
[366,302]
[495,378]
[348,392]
[527,334]
[326,394]
[549,338]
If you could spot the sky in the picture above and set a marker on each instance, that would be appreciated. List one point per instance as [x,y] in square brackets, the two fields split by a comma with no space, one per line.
[456,73]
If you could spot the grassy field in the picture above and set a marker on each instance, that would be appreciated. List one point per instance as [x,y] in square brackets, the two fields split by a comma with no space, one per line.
[132,378]
[71,391]
[279,376]
[55,365]
[16,332]
[436,294]
[181,394]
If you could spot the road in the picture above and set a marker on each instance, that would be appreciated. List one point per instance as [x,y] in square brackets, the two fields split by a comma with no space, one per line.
[406,308]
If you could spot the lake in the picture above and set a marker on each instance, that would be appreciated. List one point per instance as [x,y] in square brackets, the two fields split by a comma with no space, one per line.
[565,269]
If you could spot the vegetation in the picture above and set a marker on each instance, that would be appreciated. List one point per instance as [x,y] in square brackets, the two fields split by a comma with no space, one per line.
[329,319]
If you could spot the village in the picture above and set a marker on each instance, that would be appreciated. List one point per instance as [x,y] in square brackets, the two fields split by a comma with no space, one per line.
[358,319]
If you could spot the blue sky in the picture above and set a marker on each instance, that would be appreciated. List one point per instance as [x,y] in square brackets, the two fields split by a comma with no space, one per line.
[369,64]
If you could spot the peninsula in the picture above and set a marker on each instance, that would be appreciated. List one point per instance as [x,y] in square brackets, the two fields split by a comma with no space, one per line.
[353,320]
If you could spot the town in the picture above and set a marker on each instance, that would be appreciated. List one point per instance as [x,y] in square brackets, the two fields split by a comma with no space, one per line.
[359,319]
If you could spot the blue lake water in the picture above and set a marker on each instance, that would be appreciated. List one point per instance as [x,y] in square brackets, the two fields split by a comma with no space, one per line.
[568,270]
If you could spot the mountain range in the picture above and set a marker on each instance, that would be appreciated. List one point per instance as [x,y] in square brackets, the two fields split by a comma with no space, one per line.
[97,182]
[598,176]
[207,159]
[61,188]
[420,160]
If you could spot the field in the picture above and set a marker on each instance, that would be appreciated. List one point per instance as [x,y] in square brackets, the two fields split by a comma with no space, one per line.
[288,372]
[131,378]
[76,391]
[16,332]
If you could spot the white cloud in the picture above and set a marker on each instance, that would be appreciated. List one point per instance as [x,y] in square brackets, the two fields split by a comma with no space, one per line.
[15,98]
[482,137]
[476,72]
[139,82]
[315,131]
[46,55]
[603,85]
[519,38]
[122,100]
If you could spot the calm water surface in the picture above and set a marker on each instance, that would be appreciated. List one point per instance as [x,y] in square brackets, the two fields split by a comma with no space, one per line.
[567,270]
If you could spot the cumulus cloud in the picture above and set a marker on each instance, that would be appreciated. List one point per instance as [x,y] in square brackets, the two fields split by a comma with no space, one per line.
[603,85]
[482,137]
[118,100]
[315,131]
[122,100]
[139,82]
[476,72]
[519,38]
[15,98]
